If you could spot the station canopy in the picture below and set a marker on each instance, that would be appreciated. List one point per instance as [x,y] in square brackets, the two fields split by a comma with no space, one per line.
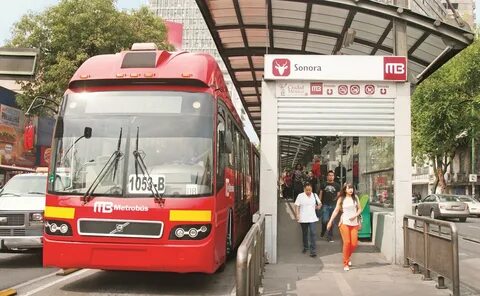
[245,30]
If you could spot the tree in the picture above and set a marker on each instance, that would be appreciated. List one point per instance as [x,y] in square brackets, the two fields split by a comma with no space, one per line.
[445,111]
[74,30]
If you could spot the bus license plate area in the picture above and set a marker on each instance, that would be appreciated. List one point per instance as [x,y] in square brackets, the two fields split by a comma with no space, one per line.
[142,184]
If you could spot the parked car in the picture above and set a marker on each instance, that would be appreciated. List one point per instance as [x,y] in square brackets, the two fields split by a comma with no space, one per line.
[473,204]
[22,203]
[442,206]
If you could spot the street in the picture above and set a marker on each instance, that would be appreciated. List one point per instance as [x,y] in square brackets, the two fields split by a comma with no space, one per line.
[23,272]
[18,268]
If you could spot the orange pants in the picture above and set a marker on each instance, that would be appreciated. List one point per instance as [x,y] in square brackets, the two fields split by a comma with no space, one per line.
[350,241]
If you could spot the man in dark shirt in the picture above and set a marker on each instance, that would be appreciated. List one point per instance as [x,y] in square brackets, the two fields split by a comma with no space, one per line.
[340,175]
[328,195]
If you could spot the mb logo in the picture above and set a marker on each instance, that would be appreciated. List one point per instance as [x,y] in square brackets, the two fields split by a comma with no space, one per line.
[395,68]
[103,207]
[281,67]
[316,88]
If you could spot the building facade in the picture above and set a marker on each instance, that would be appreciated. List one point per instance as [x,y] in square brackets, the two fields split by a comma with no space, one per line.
[197,38]
[465,8]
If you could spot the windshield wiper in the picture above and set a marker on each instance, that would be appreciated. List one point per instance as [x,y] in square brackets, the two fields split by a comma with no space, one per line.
[35,192]
[10,193]
[111,162]
[139,162]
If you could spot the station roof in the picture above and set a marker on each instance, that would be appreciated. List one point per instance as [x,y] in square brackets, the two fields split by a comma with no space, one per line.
[245,30]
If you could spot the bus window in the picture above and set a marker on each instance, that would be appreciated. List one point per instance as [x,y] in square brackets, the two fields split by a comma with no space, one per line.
[221,155]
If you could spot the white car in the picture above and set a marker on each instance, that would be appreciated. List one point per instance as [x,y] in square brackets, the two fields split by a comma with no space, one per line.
[22,203]
[473,204]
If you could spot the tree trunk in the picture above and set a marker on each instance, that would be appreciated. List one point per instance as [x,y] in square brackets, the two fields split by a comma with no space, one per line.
[435,184]
[441,175]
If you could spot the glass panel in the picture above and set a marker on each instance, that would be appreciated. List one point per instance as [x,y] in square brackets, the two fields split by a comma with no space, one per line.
[132,148]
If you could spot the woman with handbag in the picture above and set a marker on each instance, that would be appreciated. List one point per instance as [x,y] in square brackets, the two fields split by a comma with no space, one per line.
[349,204]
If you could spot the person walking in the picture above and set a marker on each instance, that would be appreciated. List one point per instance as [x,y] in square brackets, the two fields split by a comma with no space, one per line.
[328,195]
[298,180]
[317,173]
[305,205]
[349,204]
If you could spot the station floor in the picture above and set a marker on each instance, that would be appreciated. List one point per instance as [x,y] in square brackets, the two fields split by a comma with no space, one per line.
[299,274]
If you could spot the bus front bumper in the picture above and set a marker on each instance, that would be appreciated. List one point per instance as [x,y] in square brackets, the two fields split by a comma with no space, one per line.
[138,257]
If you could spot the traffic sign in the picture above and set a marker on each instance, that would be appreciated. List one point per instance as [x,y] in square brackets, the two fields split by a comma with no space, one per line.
[472,177]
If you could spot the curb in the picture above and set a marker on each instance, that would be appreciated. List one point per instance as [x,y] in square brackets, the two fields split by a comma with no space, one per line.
[8,292]
[65,272]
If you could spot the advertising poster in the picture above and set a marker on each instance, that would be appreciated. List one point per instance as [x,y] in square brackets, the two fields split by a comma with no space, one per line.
[11,138]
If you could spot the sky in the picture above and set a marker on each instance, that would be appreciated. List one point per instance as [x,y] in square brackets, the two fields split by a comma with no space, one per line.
[12,11]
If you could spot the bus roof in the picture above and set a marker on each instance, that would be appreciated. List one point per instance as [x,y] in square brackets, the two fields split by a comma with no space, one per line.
[142,66]
[150,67]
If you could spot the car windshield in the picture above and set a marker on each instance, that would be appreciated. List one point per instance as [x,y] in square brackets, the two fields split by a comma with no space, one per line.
[448,198]
[23,184]
[171,131]
[466,199]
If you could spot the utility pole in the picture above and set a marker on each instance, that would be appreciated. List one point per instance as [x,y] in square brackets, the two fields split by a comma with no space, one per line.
[473,154]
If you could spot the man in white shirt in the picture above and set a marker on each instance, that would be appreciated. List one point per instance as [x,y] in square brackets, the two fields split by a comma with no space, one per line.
[305,206]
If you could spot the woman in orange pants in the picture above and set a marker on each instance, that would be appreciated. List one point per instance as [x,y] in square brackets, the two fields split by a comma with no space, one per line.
[349,204]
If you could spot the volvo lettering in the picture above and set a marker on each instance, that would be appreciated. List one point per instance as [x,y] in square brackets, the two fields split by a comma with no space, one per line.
[144,144]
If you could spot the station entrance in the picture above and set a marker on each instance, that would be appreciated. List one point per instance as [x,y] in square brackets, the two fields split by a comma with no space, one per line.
[350,115]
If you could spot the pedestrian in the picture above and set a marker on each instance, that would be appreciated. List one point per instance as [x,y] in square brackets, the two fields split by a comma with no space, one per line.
[298,180]
[288,186]
[305,205]
[328,195]
[317,173]
[349,205]
[312,180]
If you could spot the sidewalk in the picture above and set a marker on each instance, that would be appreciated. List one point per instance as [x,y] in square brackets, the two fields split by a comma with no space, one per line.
[370,275]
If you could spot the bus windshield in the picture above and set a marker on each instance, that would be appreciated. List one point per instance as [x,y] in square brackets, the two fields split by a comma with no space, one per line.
[172,133]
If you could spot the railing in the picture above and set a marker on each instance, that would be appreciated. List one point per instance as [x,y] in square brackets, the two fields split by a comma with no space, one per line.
[251,260]
[433,249]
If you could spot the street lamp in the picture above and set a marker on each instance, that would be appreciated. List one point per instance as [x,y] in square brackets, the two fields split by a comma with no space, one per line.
[42,104]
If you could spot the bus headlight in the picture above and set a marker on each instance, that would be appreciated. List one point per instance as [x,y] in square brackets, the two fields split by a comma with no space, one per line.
[179,232]
[190,232]
[56,227]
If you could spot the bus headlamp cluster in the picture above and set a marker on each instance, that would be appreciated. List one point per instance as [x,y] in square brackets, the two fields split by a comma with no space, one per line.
[55,227]
[190,232]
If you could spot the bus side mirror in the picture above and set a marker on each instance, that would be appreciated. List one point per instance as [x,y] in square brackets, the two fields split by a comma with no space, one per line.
[87,132]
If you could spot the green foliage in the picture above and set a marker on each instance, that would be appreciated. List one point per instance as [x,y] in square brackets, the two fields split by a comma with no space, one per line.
[445,109]
[74,30]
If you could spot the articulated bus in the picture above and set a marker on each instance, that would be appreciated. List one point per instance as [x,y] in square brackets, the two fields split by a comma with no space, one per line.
[151,169]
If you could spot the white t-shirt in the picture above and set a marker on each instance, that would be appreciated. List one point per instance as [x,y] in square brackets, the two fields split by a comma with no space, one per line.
[349,210]
[307,207]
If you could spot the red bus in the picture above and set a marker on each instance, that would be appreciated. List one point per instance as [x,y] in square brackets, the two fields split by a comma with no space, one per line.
[151,169]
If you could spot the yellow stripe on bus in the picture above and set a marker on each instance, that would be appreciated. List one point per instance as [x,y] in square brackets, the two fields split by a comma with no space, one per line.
[190,215]
[59,212]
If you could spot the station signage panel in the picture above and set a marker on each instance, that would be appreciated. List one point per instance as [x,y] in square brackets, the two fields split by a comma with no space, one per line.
[335,68]
[330,89]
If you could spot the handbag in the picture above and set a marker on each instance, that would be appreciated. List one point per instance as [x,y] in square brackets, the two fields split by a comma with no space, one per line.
[319,211]
[360,222]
